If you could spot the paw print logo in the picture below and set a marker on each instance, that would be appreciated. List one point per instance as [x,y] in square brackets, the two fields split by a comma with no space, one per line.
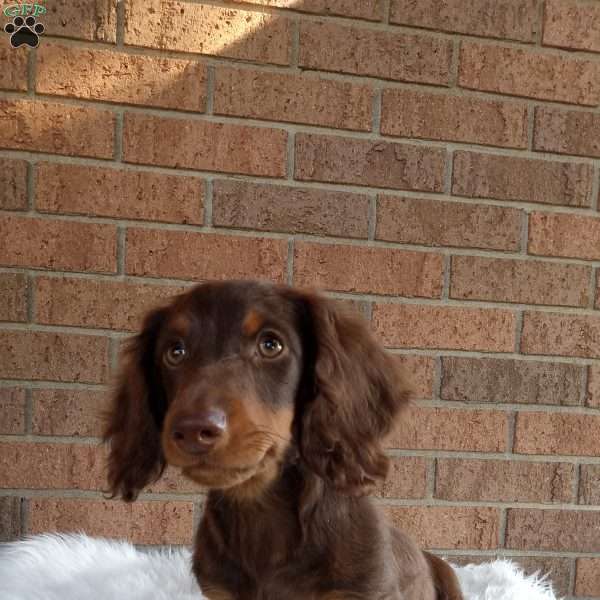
[24,32]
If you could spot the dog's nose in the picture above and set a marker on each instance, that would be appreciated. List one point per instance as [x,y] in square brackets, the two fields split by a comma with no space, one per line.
[198,433]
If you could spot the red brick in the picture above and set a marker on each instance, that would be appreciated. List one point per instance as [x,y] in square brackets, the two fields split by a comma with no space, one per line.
[139,522]
[97,303]
[407,113]
[589,484]
[435,223]
[561,335]
[572,24]
[245,205]
[448,527]
[523,281]
[12,415]
[195,144]
[587,581]
[56,128]
[572,236]
[504,481]
[425,428]
[61,245]
[52,466]
[414,326]
[557,433]
[13,184]
[522,179]
[407,478]
[371,10]
[79,72]
[365,162]
[94,20]
[529,73]
[13,75]
[292,98]
[359,51]
[593,387]
[160,253]
[125,194]
[509,19]
[420,370]
[69,412]
[212,30]
[13,297]
[499,380]
[53,356]
[567,132]
[555,530]
[368,270]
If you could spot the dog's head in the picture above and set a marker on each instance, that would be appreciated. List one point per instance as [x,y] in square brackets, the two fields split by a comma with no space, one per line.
[232,378]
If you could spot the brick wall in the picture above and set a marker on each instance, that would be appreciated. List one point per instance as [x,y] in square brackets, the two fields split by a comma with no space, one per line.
[435,161]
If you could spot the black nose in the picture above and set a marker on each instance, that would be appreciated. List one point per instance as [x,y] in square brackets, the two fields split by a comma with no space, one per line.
[198,433]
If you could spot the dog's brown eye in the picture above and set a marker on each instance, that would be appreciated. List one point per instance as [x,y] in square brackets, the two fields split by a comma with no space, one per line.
[270,346]
[174,354]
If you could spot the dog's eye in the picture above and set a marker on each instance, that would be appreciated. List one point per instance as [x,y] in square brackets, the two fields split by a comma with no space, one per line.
[270,346]
[175,354]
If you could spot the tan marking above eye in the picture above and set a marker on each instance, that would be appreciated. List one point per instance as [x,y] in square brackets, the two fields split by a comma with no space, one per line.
[252,323]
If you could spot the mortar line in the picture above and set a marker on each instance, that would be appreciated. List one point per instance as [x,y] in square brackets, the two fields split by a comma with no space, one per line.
[372,218]
[210,90]
[208,202]
[290,261]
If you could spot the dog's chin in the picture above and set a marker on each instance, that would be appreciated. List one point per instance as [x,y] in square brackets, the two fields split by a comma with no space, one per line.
[220,478]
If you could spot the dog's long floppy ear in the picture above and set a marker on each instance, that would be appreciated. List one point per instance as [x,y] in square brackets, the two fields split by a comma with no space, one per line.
[354,393]
[135,418]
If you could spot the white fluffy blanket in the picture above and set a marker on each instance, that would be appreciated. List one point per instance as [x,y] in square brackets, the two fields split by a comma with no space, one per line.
[77,567]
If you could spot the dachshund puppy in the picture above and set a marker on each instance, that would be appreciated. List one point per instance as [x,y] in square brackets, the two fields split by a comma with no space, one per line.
[277,403]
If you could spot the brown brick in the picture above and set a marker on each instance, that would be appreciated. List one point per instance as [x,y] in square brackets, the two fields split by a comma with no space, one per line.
[10,518]
[79,72]
[555,530]
[523,281]
[56,128]
[529,73]
[53,356]
[366,162]
[407,113]
[522,179]
[501,380]
[52,466]
[215,256]
[509,19]
[13,75]
[62,245]
[245,205]
[407,478]
[371,10]
[589,484]
[94,20]
[420,371]
[504,481]
[139,522]
[435,223]
[97,303]
[413,326]
[69,412]
[572,236]
[558,570]
[448,527]
[587,581]
[557,433]
[368,270]
[13,297]
[13,184]
[426,428]
[572,24]
[593,387]
[212,30]
[12,415]
[125,194]
[567,132]
[359,51]
[292,98]
[561,335]
[194,144]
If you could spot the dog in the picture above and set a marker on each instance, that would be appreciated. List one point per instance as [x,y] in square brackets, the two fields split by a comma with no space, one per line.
[277,402]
